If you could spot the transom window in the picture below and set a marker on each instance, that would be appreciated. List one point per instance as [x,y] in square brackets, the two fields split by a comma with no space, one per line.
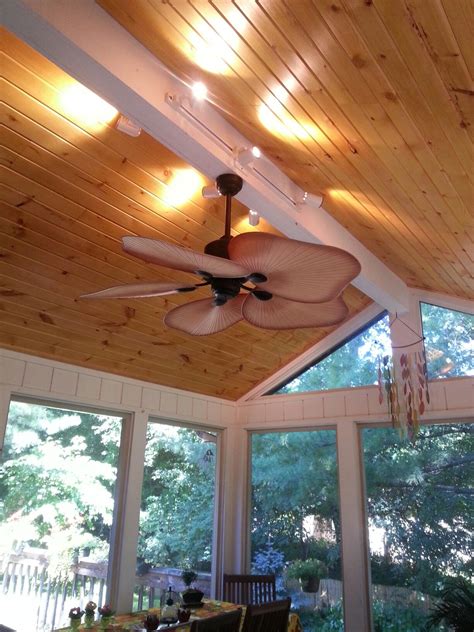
[449,341]
[353,363]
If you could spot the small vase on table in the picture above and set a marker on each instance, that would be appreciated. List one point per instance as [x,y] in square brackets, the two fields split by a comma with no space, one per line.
[90,615]
[106,614]
[75,615]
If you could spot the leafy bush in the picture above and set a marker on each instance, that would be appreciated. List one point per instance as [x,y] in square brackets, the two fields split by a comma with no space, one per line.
[456,607]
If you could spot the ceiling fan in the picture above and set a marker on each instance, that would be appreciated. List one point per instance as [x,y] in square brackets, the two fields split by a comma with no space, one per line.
[293,284]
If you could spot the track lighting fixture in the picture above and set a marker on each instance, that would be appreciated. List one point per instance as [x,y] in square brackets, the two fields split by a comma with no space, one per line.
[210,192]
[246,155]
[308,199]
[127,126]
[254,218]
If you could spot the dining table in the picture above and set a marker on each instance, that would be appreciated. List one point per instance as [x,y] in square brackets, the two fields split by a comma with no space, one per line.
[133,622]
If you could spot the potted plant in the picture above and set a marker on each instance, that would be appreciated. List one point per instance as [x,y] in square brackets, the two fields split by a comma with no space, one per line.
[309,572]
[190,595]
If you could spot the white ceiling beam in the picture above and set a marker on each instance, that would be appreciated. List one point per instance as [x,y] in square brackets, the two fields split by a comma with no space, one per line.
[93,48]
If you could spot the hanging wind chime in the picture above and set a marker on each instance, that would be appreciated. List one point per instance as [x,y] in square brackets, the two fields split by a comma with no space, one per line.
[403,379]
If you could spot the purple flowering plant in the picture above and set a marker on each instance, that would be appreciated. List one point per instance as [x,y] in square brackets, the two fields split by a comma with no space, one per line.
[75,613]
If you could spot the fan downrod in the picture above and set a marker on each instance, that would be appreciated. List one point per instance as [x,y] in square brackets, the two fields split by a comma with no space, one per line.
[228,184]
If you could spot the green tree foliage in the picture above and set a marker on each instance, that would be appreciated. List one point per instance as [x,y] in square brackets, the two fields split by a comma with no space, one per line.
[421,495]
[57,479]
[449,341]
[355,363]
[177,498]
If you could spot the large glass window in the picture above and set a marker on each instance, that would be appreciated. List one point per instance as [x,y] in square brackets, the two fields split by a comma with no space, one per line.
[295,528]
[354,363]
[177,511]
[420,516]
[57,479]
[449,341]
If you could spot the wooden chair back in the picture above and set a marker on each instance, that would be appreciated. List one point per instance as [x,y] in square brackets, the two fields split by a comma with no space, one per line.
[248,589]
[267,617]
[228,622]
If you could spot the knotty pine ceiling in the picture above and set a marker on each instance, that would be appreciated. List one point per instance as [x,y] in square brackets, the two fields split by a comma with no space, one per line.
[368,102]
[69,191]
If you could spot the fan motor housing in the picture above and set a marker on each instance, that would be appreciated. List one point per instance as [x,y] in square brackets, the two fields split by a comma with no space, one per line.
[225,289]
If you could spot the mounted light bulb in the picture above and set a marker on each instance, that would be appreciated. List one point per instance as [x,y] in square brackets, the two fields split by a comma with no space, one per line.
[199,91]
[247,155]
[254,218]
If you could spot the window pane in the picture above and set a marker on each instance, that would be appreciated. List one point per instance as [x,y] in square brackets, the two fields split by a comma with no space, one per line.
[177,511]
[57,479]
[420,511]
[449,341]
[355,363]
[295,521]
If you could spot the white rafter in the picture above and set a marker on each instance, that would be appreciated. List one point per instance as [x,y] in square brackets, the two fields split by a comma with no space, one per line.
[87,43]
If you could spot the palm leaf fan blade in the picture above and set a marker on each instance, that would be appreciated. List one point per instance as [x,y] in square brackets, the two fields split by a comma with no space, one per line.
[140,290]
[176,257]
[279,313]
[295,270]
[202,318]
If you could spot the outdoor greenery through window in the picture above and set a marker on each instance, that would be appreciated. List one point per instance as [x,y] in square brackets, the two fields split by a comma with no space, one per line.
[354,363]
[177,510]
[295,524]
[449,341]
[420,516]
[57,479]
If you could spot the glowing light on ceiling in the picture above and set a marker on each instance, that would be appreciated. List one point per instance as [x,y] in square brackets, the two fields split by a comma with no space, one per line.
[80,103]
[184,184]
[212,44]
[199,91]
[279,122]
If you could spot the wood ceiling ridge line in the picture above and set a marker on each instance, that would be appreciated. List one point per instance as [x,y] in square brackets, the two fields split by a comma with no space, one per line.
[34,308]
[180,368]
[260,353]
[132,215]
[103,186]
[129,163]
[68,356]
[418,113]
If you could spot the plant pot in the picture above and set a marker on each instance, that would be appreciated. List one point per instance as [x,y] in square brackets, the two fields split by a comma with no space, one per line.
[89,621]
[192,596]
[105,622]
[311,585]
[74,625]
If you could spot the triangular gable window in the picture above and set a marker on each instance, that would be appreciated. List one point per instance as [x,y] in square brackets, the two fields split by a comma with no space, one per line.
[353,363]
[449,341]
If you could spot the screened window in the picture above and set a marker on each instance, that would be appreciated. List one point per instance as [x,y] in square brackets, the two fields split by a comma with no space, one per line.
[295,522]
[58,476]
[449,341]
[354,363]
[177,511]
[419,510]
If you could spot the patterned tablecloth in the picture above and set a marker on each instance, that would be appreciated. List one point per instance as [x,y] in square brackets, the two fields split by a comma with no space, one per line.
[129,622]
